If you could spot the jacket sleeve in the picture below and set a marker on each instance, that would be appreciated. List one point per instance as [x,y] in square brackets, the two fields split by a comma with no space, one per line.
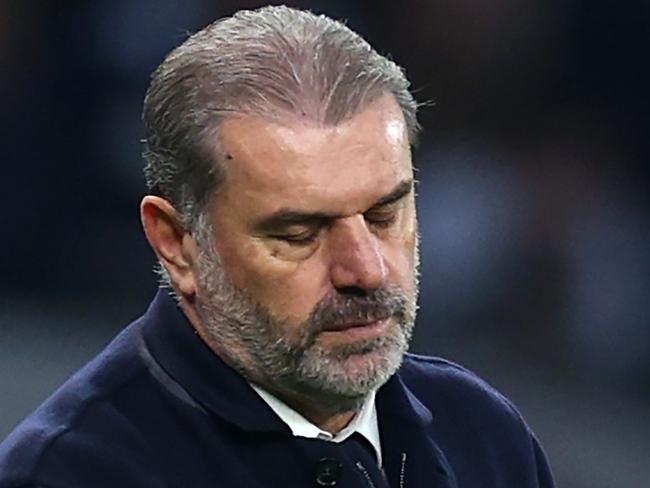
[544,475]
[79,460]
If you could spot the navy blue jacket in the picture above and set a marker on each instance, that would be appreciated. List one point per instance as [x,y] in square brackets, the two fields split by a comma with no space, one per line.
[157,408]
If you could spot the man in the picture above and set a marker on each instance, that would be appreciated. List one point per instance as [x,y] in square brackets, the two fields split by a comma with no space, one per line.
[282,212]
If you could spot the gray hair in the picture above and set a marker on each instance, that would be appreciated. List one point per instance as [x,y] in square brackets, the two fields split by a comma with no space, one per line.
[275,62]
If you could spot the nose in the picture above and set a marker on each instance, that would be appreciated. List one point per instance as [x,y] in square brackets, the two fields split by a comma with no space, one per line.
[356,261]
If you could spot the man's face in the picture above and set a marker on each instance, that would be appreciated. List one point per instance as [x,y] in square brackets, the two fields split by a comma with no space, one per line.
[307,276]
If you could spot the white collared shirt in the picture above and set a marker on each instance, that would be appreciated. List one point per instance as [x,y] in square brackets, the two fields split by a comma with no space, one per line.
[365,422]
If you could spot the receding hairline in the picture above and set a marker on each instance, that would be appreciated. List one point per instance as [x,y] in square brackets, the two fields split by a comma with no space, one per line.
[288,118]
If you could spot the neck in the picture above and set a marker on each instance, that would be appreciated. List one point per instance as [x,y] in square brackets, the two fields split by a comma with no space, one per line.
[329,420]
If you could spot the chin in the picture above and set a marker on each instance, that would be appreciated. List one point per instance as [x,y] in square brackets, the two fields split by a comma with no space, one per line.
[351,373]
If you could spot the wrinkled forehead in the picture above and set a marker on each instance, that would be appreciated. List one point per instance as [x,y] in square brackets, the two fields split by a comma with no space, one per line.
[300,160]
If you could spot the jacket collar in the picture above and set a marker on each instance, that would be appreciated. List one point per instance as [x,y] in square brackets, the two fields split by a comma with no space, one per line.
[177,348]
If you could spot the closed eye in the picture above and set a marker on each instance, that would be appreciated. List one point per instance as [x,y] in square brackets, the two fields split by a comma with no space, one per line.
[382,221]
[384,215]
[297,239]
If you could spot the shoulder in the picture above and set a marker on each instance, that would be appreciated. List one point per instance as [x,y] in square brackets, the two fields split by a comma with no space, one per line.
[64,426]
[443,385]
[416,369]
[481,432]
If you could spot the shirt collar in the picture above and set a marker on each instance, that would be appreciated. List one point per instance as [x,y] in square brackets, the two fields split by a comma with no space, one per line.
[364,423]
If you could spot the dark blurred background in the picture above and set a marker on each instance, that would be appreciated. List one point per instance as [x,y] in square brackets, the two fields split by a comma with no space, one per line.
[533,199]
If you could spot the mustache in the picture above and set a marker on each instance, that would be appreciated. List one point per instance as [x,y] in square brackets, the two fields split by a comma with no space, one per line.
[337,309]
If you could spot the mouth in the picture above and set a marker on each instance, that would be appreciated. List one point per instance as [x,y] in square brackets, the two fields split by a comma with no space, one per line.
[356,330]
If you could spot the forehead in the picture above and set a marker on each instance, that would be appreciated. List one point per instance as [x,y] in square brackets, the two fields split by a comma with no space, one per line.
[300,164]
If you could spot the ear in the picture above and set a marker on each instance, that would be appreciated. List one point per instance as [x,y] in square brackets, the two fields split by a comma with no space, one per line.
[172,243]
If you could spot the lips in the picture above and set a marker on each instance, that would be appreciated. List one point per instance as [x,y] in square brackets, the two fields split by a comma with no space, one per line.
[351,325]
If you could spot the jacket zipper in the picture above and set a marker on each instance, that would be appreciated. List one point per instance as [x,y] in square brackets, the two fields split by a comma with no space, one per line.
[402,471]
[365,474]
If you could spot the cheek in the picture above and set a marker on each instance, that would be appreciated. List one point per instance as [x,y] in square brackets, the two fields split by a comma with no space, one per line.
[401,265]
[289,290]
[401,260]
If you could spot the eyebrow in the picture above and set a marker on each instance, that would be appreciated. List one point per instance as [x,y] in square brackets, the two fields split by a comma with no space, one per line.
[400,191]
[290,216]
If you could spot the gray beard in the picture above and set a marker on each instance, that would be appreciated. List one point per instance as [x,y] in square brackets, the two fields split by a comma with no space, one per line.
[287,359]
